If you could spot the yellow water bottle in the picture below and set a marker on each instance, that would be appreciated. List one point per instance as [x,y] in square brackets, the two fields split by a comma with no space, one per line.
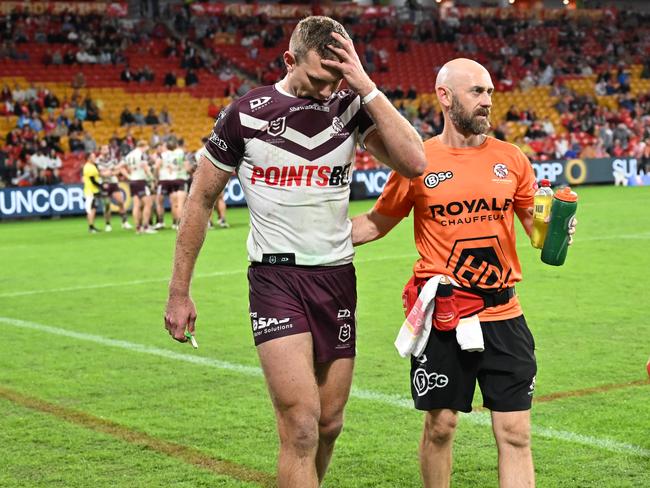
[541,210]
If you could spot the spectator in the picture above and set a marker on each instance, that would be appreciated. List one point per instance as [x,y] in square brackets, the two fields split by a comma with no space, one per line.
[79,81]
[164,117]
[191,78]
[170,79]
[138,118]
[151,118]
[127,75]
[89,143]
[126,117]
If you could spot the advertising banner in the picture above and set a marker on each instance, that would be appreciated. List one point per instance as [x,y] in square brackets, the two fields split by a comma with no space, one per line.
[46,201]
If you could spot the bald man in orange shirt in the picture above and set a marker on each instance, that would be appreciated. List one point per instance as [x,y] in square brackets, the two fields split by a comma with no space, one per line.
[464,207]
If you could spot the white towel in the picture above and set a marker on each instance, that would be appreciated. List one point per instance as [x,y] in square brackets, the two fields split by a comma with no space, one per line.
[470,335]
[414,333]
[413,336]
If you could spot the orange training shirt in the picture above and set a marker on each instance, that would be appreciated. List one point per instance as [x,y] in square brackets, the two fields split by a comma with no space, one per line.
[464,215]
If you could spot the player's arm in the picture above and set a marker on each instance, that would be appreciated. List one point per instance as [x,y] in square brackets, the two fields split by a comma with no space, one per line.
[209,181]
[371,226]
[395,142]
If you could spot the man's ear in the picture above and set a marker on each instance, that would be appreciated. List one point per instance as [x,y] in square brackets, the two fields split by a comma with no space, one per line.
[289,61]
[444,96]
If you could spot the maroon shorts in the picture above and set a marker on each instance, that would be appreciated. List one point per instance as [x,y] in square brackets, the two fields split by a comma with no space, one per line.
[321,300]
[111,188]
[167,187]
[139,188]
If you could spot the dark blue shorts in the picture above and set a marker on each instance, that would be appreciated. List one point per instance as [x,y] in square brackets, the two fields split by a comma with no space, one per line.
[321,300]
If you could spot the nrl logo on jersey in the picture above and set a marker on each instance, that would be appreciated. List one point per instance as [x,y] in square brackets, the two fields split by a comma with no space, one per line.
[258,103]
[277,127]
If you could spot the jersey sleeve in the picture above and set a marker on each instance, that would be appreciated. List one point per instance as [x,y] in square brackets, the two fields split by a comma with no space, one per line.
[225,146]
[366,124]
[526,184]
[397,198]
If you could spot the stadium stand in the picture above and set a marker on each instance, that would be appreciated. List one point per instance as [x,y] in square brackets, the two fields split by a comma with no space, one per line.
[568,84]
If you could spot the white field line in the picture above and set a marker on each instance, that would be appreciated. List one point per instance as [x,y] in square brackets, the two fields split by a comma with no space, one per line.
[122,284]
[521,244]
[478,418]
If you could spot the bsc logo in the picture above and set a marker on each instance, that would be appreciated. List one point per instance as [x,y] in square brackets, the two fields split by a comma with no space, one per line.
[434,179]
[424,382]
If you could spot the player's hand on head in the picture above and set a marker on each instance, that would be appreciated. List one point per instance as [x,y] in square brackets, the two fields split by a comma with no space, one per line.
[179,316]
[349,65]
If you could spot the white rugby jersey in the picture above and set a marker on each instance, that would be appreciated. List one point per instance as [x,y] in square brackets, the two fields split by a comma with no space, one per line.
[294,158]
[136,160]
[104,164]
[168,168]
[179,161]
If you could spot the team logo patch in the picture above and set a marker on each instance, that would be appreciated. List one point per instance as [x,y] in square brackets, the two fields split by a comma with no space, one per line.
[258,103]
[337,125]
[424,382]
[277,127]
[345,332]
[501,170]
[434,179]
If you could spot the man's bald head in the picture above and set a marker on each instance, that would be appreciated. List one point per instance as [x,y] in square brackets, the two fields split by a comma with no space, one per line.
[461,71]
[464,89]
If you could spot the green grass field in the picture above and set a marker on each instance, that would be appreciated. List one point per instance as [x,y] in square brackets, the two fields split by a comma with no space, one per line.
[94,393]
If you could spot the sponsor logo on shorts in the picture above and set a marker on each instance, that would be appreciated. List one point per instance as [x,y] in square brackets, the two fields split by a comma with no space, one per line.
[345,332]
[422,358]
[424,382]
[264,325]
[344,313]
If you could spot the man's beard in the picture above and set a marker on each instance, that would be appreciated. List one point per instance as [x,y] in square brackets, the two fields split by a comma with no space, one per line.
[466,122]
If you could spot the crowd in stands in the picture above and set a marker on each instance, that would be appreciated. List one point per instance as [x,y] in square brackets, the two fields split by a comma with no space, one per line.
[521,54]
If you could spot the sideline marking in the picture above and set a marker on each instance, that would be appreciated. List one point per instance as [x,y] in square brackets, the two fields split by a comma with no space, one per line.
[478,417]
[187,454]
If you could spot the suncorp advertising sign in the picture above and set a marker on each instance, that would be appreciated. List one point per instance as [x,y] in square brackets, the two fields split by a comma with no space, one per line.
[582,171]
[41,201]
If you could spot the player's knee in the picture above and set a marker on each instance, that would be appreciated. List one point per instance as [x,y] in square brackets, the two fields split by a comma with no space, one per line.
[330,428]
[439,427]
[300,432]
[513,435]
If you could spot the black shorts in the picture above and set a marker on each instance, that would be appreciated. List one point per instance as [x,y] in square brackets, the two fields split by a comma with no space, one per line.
[321,300]
[445,377]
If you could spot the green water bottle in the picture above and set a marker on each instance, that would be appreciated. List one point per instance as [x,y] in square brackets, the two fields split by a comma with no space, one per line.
[556,244]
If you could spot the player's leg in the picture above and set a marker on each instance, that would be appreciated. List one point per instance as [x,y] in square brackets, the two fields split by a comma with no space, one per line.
[512,434]
[443,380]
[136,211]
[180,203]
[106,204]
[146,211]
[288,366]
[507,380]
[436,447]
[118,198]
[91,211]
[160,207]
[334,382]
[221,211]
